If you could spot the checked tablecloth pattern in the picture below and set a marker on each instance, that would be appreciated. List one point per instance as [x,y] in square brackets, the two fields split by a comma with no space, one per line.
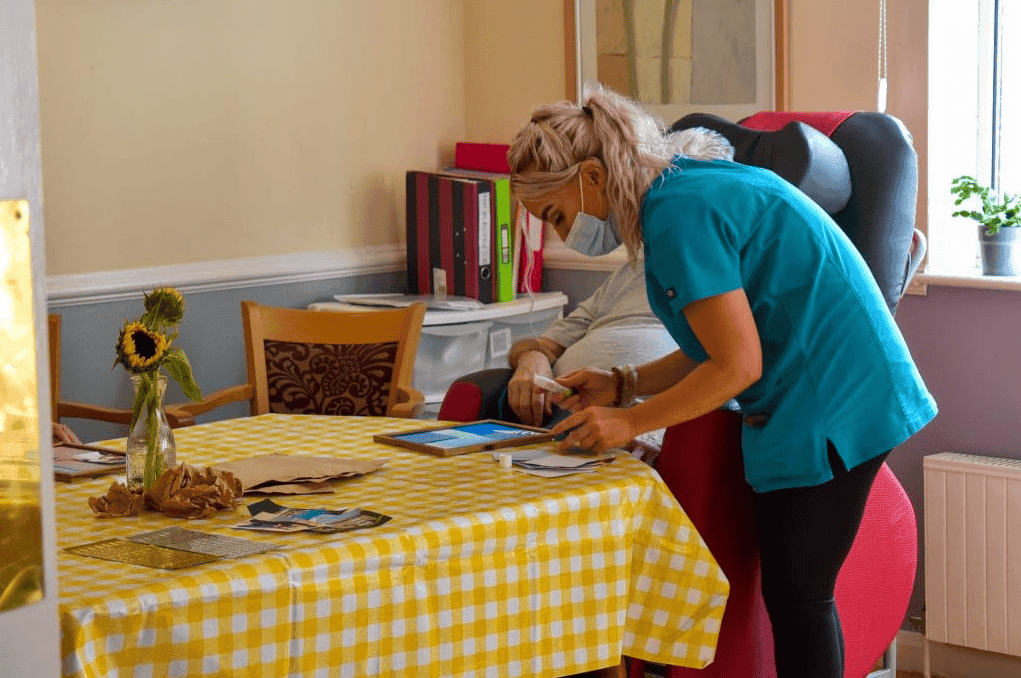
[481,572]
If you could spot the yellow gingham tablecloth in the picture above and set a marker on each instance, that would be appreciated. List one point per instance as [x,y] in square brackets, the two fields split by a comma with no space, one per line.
[482,571]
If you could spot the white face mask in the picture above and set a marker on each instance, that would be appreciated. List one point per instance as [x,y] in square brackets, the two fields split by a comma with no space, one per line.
[589,235]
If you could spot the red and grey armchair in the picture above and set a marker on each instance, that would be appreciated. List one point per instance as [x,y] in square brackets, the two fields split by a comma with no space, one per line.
[862,169]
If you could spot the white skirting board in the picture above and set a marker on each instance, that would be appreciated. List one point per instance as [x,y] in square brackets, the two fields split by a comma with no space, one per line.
[952,661]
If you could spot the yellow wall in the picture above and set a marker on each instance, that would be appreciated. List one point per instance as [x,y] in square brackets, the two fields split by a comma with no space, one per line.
[515,62]
[833,63]
[179,132]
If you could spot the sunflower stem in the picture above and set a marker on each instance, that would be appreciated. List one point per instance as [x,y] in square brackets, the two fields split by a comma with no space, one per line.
[152,429]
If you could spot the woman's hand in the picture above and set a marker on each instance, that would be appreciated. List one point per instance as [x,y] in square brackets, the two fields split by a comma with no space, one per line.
[529,402]
[596,429]
[590,386]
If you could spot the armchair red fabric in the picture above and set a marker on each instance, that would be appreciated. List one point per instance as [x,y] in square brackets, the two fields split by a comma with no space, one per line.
[860,167]
[875,584]
[701,464]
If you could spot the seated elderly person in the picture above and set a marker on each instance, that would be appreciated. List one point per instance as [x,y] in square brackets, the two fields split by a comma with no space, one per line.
[614,326]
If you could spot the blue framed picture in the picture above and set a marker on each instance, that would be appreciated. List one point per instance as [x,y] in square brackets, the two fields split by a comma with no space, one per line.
[476,436]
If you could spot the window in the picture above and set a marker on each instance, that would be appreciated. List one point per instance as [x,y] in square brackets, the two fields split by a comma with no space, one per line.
[974,117]
[1007,136]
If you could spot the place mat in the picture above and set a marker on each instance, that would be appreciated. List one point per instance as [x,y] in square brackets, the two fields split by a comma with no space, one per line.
[122,551]
[194,541]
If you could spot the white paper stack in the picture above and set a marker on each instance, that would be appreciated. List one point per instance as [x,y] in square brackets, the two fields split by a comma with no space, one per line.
[543,464]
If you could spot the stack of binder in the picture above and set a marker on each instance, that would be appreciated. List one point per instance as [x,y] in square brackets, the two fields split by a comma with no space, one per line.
[460,234]
[464,237]
[453,227]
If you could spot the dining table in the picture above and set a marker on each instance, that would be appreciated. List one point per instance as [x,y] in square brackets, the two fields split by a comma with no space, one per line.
[480,571]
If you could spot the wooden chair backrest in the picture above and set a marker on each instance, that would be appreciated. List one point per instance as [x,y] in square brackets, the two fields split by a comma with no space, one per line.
[54,342]
[263,324]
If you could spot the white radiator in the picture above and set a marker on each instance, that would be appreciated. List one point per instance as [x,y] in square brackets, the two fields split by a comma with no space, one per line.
[973,551]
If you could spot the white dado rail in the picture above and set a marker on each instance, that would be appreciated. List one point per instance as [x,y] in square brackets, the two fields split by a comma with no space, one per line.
[105,286]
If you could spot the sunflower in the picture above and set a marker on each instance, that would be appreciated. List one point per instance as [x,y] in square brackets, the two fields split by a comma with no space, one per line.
[139,348]
[164,306]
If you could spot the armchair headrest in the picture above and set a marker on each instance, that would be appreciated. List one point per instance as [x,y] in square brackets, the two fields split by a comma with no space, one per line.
[860,166]
[797,152]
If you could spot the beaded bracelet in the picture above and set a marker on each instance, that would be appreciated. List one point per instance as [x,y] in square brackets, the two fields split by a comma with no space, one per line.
[627,382]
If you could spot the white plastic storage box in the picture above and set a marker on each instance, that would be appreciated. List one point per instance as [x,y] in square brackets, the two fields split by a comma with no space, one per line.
[507,330]
[455,343]
[446,352]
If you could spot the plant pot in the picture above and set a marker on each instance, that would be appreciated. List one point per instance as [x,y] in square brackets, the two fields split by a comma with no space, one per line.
[1001,253]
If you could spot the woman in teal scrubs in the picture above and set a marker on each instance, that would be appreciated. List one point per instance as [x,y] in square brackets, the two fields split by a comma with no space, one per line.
[770,304]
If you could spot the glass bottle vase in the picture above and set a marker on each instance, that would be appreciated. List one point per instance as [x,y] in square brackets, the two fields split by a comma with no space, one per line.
[151,449]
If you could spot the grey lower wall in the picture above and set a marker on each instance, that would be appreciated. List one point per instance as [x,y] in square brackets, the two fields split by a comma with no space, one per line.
[966,342]
[577,285]
[211,336]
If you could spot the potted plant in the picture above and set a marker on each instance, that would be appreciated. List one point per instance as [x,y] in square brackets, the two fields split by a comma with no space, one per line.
[999,230]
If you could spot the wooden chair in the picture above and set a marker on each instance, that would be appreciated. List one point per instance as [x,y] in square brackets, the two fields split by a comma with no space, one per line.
[323,362]
[73,410]
[54,341]
[65,409]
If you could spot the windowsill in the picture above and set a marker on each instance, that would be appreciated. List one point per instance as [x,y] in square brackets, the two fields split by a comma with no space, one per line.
[559,257]
[976,280]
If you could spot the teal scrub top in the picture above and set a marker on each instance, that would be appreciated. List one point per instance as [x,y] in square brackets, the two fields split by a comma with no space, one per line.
[835,365]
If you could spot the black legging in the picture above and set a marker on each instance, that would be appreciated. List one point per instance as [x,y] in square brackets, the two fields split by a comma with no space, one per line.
[805,534]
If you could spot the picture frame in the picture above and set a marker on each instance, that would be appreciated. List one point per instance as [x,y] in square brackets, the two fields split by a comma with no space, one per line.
[764,34]
[466,437]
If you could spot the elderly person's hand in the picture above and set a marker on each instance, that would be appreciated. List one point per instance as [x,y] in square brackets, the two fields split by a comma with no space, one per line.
[62,434]
[531,403]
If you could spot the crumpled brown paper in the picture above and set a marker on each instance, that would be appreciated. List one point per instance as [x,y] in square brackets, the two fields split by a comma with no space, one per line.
[118,501]
[181,492]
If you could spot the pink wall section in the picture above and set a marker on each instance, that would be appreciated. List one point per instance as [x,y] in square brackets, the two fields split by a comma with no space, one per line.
[967,345]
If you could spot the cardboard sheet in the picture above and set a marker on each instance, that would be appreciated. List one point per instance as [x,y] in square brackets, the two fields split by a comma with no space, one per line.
[294,474]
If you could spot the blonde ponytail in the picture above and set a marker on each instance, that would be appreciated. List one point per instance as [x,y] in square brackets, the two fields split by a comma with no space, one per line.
[631,143]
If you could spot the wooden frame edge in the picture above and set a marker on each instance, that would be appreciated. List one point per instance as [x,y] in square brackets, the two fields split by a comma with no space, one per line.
[781,54]
[570,47]
[542,436]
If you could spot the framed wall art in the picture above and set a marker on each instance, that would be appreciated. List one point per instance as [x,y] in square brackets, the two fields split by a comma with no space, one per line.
[726,57]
